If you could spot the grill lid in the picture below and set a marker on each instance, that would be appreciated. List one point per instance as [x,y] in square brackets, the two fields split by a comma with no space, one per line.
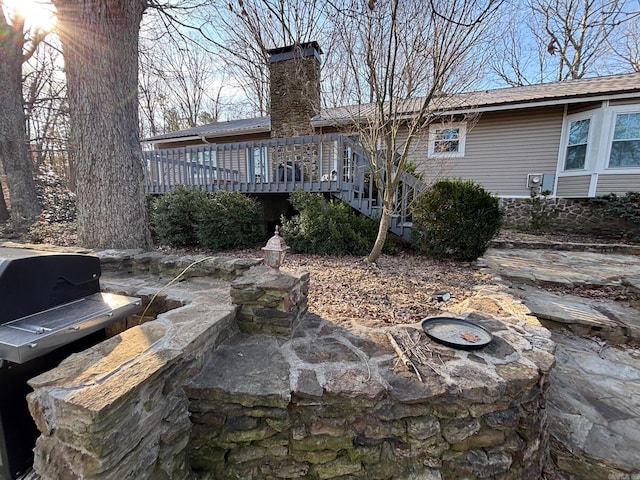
[49,299]
[33,281]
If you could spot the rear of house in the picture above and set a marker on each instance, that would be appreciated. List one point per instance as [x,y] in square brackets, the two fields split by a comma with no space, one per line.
[571,140]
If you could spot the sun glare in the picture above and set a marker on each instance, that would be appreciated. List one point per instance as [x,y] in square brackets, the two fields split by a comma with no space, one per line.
[36,13]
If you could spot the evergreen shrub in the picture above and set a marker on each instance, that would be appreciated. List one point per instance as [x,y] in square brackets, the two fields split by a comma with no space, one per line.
[187,217]
[455,219]
[626,208]
[327,227]
[228,220]
[57,201]
[174,216]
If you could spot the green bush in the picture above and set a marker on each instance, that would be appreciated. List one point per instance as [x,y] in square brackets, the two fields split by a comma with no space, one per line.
[327,227]
[228,220]
[174,216]
[187,217]
[455,219]
[626,208]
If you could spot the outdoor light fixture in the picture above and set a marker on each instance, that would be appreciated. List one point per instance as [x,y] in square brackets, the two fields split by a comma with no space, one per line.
[274,251]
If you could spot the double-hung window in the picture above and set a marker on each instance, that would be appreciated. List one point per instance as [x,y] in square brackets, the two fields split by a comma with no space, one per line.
[447,140]
[625,144]
[577,143]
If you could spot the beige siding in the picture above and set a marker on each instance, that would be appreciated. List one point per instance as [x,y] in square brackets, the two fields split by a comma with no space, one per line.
[619,184]
[503,147]
[628,101]
[582,107]
[574,187]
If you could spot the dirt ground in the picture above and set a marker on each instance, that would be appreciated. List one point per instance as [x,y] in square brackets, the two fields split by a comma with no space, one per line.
[397,289]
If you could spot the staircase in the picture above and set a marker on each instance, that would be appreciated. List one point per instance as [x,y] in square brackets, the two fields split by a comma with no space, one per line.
[359,191]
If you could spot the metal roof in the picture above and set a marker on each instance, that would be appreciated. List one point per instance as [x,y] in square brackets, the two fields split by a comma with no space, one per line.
[504,98]
[595,88]
[218,129]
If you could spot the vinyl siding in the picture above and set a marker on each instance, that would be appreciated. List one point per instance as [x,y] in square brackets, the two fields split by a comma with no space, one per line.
[619,184]
[503,147]
[574,187]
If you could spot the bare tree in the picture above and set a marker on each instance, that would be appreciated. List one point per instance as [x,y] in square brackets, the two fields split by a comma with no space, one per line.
[243,31]
[17,44]
[100,47]
[45,109]
[627,46]
[517,58]
[576,32]
[555,40]
[404,55]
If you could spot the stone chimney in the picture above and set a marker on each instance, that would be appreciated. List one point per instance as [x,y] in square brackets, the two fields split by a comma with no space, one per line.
[295,88]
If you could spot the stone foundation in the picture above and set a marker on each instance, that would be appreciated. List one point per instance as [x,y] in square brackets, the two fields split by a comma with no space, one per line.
[564,214]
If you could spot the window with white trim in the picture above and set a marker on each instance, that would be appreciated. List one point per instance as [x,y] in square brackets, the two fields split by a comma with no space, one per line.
[447,140]
[625,144]
[577,143]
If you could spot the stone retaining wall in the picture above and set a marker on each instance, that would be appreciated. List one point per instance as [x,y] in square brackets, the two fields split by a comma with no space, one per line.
[564,214]
[178,398]
[118,410]
[336,403]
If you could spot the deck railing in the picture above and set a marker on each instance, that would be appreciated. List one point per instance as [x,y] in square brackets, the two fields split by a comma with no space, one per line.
[318,163]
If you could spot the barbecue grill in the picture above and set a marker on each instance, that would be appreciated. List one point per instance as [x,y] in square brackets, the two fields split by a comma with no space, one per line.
[50,305]
[51,299]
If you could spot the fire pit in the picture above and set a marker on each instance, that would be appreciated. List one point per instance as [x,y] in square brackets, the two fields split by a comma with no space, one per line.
[50,302]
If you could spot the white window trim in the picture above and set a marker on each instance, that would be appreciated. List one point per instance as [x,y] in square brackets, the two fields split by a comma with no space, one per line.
[608,131]
[601,132]
[461,140]
[591,143]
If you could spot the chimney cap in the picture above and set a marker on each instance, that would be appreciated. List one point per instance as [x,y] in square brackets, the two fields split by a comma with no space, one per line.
[297,50]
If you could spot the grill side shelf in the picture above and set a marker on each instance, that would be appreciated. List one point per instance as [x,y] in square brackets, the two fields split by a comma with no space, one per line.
[34,335]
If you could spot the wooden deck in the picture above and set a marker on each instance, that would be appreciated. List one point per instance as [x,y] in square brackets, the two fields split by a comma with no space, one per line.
[331,164]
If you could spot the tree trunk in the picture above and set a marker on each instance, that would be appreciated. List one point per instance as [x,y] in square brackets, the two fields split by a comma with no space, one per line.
[14,153]
[383,230]
[100,47]
[4,211]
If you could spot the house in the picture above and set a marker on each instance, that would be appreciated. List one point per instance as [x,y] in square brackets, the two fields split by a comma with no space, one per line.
[573,140]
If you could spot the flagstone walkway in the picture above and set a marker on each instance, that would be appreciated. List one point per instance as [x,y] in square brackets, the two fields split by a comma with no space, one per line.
[594,403]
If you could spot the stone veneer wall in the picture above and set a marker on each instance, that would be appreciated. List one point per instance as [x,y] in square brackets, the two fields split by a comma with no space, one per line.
[333,403]
[118,410]
[179,399]
[295,93]
[564,214]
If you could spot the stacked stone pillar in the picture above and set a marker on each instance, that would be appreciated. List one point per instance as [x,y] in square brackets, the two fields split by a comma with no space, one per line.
[271,301]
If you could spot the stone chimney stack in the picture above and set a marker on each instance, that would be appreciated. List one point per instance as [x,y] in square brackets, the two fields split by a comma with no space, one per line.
[295,88]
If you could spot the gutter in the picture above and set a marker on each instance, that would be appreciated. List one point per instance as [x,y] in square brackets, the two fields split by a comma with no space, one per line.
[328,122]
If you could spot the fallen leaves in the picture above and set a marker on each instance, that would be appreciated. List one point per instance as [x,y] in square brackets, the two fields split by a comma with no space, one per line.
[470,337]
[397,289]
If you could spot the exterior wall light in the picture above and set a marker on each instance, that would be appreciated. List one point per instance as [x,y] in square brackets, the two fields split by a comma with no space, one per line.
[275,251]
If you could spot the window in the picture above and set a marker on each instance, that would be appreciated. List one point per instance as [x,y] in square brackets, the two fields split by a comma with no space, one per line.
[576,153]
[625,146]
[447,140]
[257,164]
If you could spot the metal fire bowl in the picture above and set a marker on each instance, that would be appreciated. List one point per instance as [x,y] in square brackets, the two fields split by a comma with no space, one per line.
[456,332]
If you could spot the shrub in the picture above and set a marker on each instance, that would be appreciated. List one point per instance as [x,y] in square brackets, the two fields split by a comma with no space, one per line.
[626,208]
[327,227]
[541,210]
[455,219]
[228,220]
[173,216]
[57,201]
